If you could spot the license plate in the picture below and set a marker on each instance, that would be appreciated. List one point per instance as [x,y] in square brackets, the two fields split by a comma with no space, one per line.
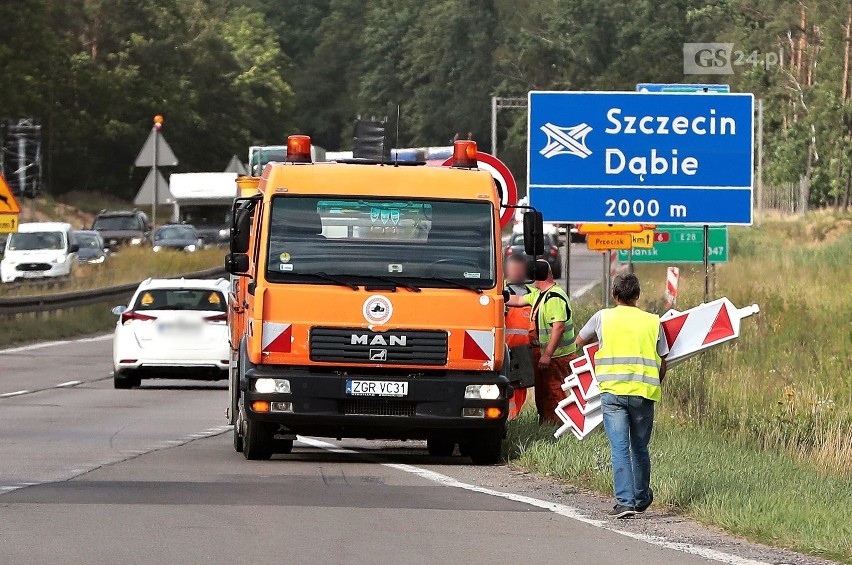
[376,388]
[178,329]
[33,275]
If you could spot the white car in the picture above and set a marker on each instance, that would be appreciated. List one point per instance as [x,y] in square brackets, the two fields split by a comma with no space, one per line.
[39,250]
[172,328]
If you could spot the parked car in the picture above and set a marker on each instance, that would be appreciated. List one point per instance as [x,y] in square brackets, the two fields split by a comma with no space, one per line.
[39,250]
[515,246]
[177,237]
[122,227]
[172,328]
[92,248]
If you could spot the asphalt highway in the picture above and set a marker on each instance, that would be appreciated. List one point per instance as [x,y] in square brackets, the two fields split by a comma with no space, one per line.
[92,475]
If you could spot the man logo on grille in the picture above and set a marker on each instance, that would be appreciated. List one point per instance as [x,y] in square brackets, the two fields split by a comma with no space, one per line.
[566,140]
[378,355]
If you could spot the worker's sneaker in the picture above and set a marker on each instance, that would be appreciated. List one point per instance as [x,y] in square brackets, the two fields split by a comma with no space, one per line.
[641,509]
[619,511]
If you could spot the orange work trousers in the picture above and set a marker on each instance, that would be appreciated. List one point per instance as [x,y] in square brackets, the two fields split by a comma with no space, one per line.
[548,385]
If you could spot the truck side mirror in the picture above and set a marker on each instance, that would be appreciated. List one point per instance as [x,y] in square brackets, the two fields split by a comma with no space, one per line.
[73,248]
[237,263]
[240,230]
[533,233]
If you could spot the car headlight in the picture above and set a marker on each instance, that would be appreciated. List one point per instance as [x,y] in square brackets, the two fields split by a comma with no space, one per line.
[135,241]
[99,259]
[157,248]
[224,232]
[482,392]
[272,385]
[189,248]
[58,260]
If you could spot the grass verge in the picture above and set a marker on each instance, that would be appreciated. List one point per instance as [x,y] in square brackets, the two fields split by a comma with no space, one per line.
[755,436]
[718,479]
[74,322]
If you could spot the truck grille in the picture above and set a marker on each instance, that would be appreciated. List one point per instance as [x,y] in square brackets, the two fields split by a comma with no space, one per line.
[377,407]
[33,267]
[401,347]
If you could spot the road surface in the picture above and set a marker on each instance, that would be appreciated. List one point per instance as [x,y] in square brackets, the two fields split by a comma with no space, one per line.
[92,475]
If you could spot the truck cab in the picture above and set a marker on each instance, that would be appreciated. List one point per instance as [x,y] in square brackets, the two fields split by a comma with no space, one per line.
[367,303]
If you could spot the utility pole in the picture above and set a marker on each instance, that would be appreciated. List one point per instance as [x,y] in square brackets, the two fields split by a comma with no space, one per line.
[158,123]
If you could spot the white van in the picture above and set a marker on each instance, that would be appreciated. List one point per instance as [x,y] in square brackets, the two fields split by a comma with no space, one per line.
[39,250]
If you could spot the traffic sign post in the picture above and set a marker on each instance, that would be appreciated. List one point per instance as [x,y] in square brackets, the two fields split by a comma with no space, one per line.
[507,188]
[8,223]
[659,158]
[682,244]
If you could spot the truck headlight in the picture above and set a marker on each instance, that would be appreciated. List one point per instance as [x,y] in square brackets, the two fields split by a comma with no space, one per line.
[189,248]
[482,392]
[136,241]
[266,386]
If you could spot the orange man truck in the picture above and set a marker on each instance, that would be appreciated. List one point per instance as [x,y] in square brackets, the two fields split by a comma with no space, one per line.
[367,303]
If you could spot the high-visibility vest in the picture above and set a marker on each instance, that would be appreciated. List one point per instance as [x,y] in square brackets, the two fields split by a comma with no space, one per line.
[518,323]
[627,362]
[540,327]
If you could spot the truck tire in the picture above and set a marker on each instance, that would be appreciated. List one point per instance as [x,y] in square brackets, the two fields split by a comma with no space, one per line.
[124,382]
[284,446]
[440,447]
[258,440]
[486,448]
[238,439]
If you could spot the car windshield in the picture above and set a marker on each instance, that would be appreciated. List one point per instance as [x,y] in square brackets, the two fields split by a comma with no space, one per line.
[176,232]
[87,240]
[108,223]
[424,242]
[201,299]
[36,241]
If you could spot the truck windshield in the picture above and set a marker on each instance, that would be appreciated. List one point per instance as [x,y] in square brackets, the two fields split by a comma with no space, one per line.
[428,243]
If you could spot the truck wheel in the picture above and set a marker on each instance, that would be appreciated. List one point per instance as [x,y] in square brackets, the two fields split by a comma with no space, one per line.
[440,447]
[258,440]
[486,448]
[238,439]
[284,446]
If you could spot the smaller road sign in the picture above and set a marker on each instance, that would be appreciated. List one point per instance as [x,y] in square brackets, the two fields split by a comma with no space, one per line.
[682,244]
[507,188]
[604,241]
[8,202]
[644,239]
[8,223]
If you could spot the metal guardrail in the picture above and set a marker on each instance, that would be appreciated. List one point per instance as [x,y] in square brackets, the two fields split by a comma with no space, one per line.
[14,305]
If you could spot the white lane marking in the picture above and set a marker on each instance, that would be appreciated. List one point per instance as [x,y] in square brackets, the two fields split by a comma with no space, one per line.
[16,393]
[69,383]
[35,346]
[556,508]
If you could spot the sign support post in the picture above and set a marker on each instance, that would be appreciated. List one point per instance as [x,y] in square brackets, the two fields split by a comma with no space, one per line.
[156,133]
[567,259]
[605,282]
[706,263]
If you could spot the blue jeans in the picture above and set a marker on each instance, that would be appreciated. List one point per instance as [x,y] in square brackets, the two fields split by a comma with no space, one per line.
[628,421]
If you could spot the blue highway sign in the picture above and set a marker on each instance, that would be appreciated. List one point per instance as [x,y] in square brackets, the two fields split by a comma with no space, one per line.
[654,87]
[653,158]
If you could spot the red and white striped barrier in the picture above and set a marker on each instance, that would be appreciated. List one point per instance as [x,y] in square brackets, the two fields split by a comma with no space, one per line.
[672,277]
[687,334]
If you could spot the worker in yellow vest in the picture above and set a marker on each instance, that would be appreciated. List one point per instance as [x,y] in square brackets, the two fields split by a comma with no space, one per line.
[517,321]
[552,338]
[630,367]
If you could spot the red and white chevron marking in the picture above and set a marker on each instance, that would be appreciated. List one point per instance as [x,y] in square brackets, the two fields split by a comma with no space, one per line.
[672,277]
[687,334]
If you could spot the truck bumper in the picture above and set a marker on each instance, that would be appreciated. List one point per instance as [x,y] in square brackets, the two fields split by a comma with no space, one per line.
[434,406]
